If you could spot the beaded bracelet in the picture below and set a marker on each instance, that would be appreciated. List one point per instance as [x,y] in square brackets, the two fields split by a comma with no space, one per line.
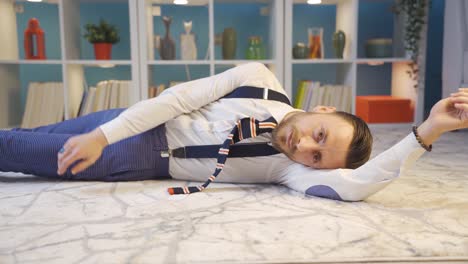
[418,138]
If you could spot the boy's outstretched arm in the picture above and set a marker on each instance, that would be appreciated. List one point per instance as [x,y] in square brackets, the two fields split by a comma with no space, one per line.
[356,185]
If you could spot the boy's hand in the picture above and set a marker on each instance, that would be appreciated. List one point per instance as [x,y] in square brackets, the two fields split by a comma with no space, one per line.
[446,115]
[451,113]
[86,148]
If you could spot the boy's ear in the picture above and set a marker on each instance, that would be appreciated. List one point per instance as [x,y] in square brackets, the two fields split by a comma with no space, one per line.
[324,109]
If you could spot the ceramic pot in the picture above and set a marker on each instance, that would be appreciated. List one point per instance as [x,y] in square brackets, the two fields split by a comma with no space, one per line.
[167,48]
[102,51]
[379,48]
[300,51]
[339,42]
[229,43]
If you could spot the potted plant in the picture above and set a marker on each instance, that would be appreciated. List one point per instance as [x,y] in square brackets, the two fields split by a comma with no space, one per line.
[102,36]
[415,14]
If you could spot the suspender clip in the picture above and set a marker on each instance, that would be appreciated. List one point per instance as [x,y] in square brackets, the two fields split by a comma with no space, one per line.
[176,153]
[179,153]
[166,153]
[265,93]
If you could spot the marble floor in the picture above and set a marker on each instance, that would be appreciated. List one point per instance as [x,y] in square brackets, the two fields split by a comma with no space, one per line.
[422,217]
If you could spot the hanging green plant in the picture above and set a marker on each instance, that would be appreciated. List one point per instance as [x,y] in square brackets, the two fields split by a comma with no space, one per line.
[415,15]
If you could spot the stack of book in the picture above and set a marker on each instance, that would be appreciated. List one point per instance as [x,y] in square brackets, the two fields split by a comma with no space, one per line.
[44,104]
[106,95]
[154,91]
[310,94]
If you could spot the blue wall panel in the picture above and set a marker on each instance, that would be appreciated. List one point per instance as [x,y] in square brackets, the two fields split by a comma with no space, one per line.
[435,38]
[374,80]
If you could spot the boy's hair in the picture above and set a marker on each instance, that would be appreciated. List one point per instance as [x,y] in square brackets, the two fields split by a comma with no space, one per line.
[361,145]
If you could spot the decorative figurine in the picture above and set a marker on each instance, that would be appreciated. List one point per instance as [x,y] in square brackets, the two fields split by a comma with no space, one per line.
[34,41]
[167,49]
[188,46]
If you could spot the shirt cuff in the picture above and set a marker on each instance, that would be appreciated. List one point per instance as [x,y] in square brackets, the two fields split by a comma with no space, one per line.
[113,130]
[410,150]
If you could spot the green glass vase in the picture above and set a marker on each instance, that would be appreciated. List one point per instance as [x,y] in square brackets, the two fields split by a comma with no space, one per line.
[255,49]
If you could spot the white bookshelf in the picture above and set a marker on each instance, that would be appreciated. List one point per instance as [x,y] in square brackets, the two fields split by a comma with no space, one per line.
[72,63]
[346,69]
[346,20]
[149,60]
[144,63]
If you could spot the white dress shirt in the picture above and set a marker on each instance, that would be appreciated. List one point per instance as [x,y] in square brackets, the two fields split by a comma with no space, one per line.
[194,114]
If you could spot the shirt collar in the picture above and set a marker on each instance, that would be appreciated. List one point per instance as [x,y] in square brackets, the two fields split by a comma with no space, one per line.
[279,111]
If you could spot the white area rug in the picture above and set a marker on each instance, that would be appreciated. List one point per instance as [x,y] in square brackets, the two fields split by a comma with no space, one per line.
[422,217]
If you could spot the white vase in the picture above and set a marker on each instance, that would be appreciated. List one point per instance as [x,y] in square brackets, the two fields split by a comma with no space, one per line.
[188,47]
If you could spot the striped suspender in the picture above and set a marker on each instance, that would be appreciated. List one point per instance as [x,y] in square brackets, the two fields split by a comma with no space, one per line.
[245,128]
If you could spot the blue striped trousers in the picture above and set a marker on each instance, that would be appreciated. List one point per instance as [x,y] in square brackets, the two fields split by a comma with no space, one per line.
[34,151]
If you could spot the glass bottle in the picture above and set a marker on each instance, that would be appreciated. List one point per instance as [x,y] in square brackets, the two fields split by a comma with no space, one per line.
[315,43]
[260,49]
[255,50]
[250,53]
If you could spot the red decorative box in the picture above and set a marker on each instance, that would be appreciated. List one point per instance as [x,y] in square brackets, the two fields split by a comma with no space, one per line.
[384,109]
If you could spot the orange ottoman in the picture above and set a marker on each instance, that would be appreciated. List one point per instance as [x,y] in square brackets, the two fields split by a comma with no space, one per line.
[384,109]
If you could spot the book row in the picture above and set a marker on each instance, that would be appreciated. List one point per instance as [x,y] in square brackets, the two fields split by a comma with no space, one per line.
[310,94]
